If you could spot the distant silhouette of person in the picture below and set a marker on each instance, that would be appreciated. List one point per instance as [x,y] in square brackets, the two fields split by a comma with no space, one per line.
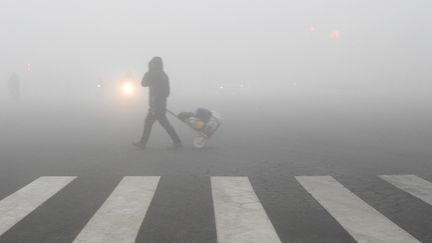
[159,89]
[14,88]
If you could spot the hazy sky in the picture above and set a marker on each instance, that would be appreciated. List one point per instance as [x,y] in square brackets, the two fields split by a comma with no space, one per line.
[385,42]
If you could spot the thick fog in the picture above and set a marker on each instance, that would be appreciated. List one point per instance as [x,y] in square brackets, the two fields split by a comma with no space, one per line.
[310,70]
[307,103]
[68,46]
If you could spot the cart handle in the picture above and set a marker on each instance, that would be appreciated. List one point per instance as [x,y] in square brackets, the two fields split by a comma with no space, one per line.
[172,113]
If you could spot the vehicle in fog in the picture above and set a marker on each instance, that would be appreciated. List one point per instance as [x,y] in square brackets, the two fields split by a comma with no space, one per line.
[127,87]
[100,87]
[230,88]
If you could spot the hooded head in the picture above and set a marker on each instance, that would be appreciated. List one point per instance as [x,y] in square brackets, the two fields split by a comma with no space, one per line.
[156,64]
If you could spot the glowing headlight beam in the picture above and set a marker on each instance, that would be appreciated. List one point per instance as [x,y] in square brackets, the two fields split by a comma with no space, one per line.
[128,89]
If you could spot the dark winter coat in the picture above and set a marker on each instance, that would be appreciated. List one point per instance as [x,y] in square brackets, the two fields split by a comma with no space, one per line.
[158,83]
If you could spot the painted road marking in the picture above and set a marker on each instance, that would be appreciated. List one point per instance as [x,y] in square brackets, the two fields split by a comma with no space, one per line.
[364,223]
[120,217]
[412,184]
[239,214]
[22,202]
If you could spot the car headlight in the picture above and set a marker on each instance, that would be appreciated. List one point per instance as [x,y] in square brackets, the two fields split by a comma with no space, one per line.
[128,89]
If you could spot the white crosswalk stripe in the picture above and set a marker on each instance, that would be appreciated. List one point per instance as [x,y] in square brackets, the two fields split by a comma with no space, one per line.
[120,217]
[239,214]
[412,184]
[363,222]
[19,204]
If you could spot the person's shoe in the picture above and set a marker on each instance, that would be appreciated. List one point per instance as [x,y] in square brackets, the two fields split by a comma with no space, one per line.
[139,145]
[175,146]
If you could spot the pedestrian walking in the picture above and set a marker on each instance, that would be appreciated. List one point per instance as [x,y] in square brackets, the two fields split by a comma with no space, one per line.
[157,82]
[14,88]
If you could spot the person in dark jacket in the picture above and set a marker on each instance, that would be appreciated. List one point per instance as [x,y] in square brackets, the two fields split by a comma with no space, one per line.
[14,88]
[159,89]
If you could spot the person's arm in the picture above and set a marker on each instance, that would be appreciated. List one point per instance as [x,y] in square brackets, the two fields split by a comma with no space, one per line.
[145,82]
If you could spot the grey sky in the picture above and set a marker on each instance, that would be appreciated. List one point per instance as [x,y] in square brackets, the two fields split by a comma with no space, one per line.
[261,42]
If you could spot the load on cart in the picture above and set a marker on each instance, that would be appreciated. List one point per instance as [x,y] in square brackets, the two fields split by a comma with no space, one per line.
[203,121]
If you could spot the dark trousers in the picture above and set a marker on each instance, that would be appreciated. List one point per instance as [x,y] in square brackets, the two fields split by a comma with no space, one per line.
[160,116]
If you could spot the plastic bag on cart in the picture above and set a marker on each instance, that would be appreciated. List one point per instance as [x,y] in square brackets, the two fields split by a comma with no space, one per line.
[203,114]
[202,120]
[195,123]
[212,124]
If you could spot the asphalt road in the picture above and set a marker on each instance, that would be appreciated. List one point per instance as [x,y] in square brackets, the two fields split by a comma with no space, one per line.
[269,143]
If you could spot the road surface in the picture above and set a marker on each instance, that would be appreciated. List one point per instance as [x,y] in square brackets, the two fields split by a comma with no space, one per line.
[319,168]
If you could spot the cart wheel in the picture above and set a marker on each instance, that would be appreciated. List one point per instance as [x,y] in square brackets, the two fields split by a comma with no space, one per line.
[199,142]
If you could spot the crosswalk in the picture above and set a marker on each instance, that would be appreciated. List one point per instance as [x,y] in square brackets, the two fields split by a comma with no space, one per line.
[363,222]
[18,205]
[119,218]
[239,214]
[412,184]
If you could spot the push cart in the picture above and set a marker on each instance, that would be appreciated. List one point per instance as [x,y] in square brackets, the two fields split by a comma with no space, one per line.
[203,121]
